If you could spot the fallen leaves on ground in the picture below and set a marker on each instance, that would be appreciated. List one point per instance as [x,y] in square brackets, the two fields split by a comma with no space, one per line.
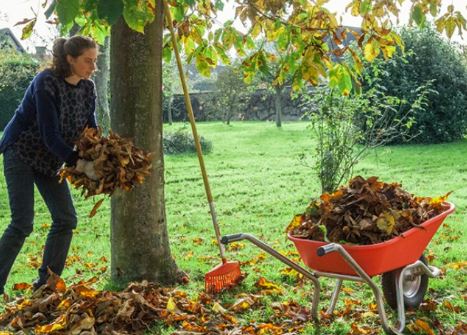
[117,162]
[366,211]
[457,265]
[420,326]
[80,309]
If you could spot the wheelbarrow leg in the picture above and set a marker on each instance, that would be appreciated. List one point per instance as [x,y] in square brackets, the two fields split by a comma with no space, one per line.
[430,271]
[310,275]
[335,296]
[333,247]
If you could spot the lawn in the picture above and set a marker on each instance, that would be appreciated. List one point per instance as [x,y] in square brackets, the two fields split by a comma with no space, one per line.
[258,184]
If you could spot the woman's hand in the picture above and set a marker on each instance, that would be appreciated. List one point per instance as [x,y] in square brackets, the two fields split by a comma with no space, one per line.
[86,167]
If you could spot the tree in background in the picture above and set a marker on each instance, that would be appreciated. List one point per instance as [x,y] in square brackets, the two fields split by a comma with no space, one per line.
[232,92]
[428,57]
[102,85]
[274,77]
[169,85]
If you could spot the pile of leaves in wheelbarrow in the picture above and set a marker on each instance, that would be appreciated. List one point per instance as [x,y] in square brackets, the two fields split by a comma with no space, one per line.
[80,309]
[117,162]
[366,211]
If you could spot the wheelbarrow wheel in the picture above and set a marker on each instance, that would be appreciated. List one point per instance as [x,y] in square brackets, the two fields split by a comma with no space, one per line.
[414,286]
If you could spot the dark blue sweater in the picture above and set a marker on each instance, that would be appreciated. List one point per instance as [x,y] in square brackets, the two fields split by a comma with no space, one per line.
[53,112]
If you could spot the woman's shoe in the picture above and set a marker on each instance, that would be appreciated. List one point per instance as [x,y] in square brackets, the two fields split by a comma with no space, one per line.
[36,284]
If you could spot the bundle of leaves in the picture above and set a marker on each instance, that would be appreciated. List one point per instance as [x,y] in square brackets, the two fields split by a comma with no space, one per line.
[79,309]
[117,162]
[366,211]
[182,141]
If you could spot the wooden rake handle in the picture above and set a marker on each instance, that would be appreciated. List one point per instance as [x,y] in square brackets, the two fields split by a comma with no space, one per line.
[191,117]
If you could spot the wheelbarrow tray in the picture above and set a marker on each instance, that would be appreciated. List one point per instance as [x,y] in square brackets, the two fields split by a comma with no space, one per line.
[376,258]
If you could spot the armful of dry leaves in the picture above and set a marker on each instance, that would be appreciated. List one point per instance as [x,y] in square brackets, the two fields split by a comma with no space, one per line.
[117,162]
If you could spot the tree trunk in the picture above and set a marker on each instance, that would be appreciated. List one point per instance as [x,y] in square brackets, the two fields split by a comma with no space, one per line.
[278,105]
[169,112]
[229,109]
[139,239]
[228,114]
[102,86]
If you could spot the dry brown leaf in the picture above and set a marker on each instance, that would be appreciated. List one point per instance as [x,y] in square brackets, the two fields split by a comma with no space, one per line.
[21,286]
[268,287]
[98,204]
[242,304]
[424,326]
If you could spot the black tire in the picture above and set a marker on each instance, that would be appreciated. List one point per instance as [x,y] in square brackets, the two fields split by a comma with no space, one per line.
[413,293]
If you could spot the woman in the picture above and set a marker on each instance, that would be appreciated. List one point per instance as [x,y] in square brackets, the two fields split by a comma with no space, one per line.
[58,104]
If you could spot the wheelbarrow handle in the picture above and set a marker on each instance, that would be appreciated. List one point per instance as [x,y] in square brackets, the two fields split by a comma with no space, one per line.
[326,249]
[232,238]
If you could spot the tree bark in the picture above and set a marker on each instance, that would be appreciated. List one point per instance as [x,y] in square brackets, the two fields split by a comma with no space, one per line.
[278,105]
[169,112]
[230,108]
[102,86]
[139,239]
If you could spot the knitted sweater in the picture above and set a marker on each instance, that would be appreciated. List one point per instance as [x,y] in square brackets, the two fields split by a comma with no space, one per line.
[51,117]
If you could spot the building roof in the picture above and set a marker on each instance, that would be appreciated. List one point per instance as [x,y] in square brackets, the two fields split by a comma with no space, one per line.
[7,38]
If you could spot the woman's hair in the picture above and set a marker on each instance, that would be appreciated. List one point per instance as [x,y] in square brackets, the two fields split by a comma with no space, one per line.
[73,46]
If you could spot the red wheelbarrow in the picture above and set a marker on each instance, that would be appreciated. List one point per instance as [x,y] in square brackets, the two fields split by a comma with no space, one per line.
[400,261]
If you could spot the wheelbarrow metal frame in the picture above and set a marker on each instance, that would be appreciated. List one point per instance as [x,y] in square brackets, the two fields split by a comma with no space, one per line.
[362,276]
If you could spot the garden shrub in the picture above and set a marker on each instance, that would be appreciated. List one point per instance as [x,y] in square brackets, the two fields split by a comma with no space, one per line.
[16,72]
[430,59]
[181,141]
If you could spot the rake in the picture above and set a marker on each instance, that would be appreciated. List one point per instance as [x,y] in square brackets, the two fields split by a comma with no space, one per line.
[227,274]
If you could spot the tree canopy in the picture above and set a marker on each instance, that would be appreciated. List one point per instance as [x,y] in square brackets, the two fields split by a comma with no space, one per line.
[301,29]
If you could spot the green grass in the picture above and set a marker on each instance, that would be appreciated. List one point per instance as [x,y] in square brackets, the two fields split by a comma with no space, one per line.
[258,184]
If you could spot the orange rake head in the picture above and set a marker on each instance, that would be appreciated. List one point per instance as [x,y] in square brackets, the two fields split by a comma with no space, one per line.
[223,277]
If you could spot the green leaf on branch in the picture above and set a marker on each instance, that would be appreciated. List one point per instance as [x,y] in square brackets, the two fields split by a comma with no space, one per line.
[137,14]
[109,10]
[203,66]
[222,55]
[365,7]
[339,77]
[219,4]
[433,9]
[27,29]
[418,16]
[98,31]
[372,50]
[177,13]
[67,10]
[167,54]
[188,44]
[65,28]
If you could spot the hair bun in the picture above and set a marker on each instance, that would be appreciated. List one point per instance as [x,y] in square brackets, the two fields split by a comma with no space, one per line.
[58,49]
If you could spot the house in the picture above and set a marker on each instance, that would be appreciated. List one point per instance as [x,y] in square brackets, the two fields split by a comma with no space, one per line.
[9,41]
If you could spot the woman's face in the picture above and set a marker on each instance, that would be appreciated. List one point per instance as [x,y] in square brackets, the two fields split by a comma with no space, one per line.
[84,65]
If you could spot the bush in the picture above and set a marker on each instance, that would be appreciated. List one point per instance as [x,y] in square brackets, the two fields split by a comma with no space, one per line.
[347,127]
[428,57]
[16,72]
[182,141]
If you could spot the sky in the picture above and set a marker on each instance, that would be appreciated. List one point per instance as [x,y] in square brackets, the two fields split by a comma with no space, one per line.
[12,11]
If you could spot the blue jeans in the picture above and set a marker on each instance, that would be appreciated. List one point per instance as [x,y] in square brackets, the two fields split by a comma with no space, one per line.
[20,179]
